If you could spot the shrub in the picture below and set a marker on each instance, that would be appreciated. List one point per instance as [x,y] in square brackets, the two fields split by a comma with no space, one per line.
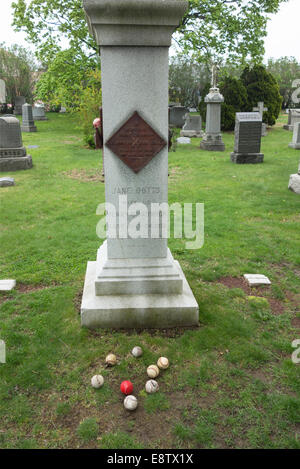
[91,99]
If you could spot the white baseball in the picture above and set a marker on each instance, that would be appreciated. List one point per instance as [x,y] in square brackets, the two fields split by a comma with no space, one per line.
[151,386]
[152,371]
[163,363]
[111,359]
[130,402]
[137,351]
[97,381]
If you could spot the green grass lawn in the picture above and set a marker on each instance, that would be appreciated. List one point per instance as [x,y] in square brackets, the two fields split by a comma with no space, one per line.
[231,382]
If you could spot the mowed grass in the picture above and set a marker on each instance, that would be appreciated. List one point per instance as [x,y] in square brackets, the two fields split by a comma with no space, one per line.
[231,382]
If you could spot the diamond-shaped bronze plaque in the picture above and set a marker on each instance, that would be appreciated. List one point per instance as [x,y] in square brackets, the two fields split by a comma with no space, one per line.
[136,143]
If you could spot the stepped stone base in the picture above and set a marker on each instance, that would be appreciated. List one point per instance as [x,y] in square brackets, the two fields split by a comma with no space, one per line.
[296,146]
[28,128]
[15,164]
[191,134]
[212,144]
[247,158]
[288,127]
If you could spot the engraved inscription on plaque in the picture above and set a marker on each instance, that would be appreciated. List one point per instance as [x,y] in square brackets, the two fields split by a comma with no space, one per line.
[248,132]
[136,143]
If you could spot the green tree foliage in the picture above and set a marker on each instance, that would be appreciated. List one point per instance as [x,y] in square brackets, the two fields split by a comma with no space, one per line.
[262,86]
[17,69]
[235,100]
[210,28]
[285,70]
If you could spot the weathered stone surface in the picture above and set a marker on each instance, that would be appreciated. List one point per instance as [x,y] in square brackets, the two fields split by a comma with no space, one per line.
[296,137]
[5,182]
[184,140]
[293,118]
[27,119]
[192,127]
[2,92]
[261,109]
[256,280]
[247,142]
[212,140]
[38,113]
[176,116]
[19,101]
[294,183]
[7,284]
[12,153]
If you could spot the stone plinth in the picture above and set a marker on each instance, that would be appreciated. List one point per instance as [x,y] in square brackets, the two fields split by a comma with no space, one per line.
[135,282]
[212,140]
[27,119]
[296,137]
[247,141]
[293,118]
[38,113]
[13,155]
[192,127]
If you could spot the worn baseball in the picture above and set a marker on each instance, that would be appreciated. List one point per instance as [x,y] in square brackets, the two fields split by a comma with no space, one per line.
[97,381]
[152,371]
[137,351]
[111,359]
[130,402]
[151,386]
[163,363]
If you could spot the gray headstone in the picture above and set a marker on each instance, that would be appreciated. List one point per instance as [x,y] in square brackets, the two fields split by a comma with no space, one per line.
[293,118]
[192,126]
[261,109]
[184,140]
[7,181]
[63,110]
[2,92]
[38,113]
[296,137]
[177,114]
[12,152]
[212,140]
[27,119]
[294,182]
[247,135]
[19,101]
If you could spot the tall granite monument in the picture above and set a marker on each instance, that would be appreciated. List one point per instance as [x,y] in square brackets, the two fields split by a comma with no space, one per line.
[135,282]
[296,137]
[247,141]
[212,139]
[12,152]
[27,119]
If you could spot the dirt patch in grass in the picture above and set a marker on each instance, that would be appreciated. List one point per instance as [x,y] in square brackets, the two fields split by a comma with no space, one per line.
[296,323]
[90,175]
[235,282]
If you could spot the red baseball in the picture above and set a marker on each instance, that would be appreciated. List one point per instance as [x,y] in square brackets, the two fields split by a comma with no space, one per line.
[126,387]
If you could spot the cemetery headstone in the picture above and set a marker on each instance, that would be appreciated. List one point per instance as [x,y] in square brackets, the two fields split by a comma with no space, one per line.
[296,137]
[63,110]
[261,109]
[38,113]
[247,134]
[184,140]
[293,118]
[294,182]
[135,282]
[19,101]
[256,280]
[12,152]
[27,119]
[2,92]
[7,284]
[212,140]
[192,126]
[176,116]
[6,182]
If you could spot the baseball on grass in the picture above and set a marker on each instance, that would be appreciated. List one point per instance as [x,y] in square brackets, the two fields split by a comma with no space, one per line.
[111,359]
[126,387]
[130,402]
[152,371]
[163,363]
[137,351]
[97,381]
[151,386]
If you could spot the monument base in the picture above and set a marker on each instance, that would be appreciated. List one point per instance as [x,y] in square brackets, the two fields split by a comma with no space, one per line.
[296,146]
[191,134]
[28,128]
[15,164]
[154,311]
[294,183]
[247,158]
[40,118]
[212,143]
[288,127]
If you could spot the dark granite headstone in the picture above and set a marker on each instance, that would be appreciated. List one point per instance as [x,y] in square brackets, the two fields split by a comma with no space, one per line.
[248,126]
[12,152]
[27,119]
[19,101]
[177,116]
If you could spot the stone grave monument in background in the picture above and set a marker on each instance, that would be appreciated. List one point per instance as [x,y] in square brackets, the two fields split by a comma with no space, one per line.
[294,182]
[27,119]
[192,126]
[293,118]
[296,137]
[2,92]
[247,138]
[38,113]
[12,152]
[19,101]
[261,109]
[135,283]
[212,139]
[177,116]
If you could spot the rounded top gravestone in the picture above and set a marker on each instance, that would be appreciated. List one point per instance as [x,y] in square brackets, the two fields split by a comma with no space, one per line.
[10,132]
